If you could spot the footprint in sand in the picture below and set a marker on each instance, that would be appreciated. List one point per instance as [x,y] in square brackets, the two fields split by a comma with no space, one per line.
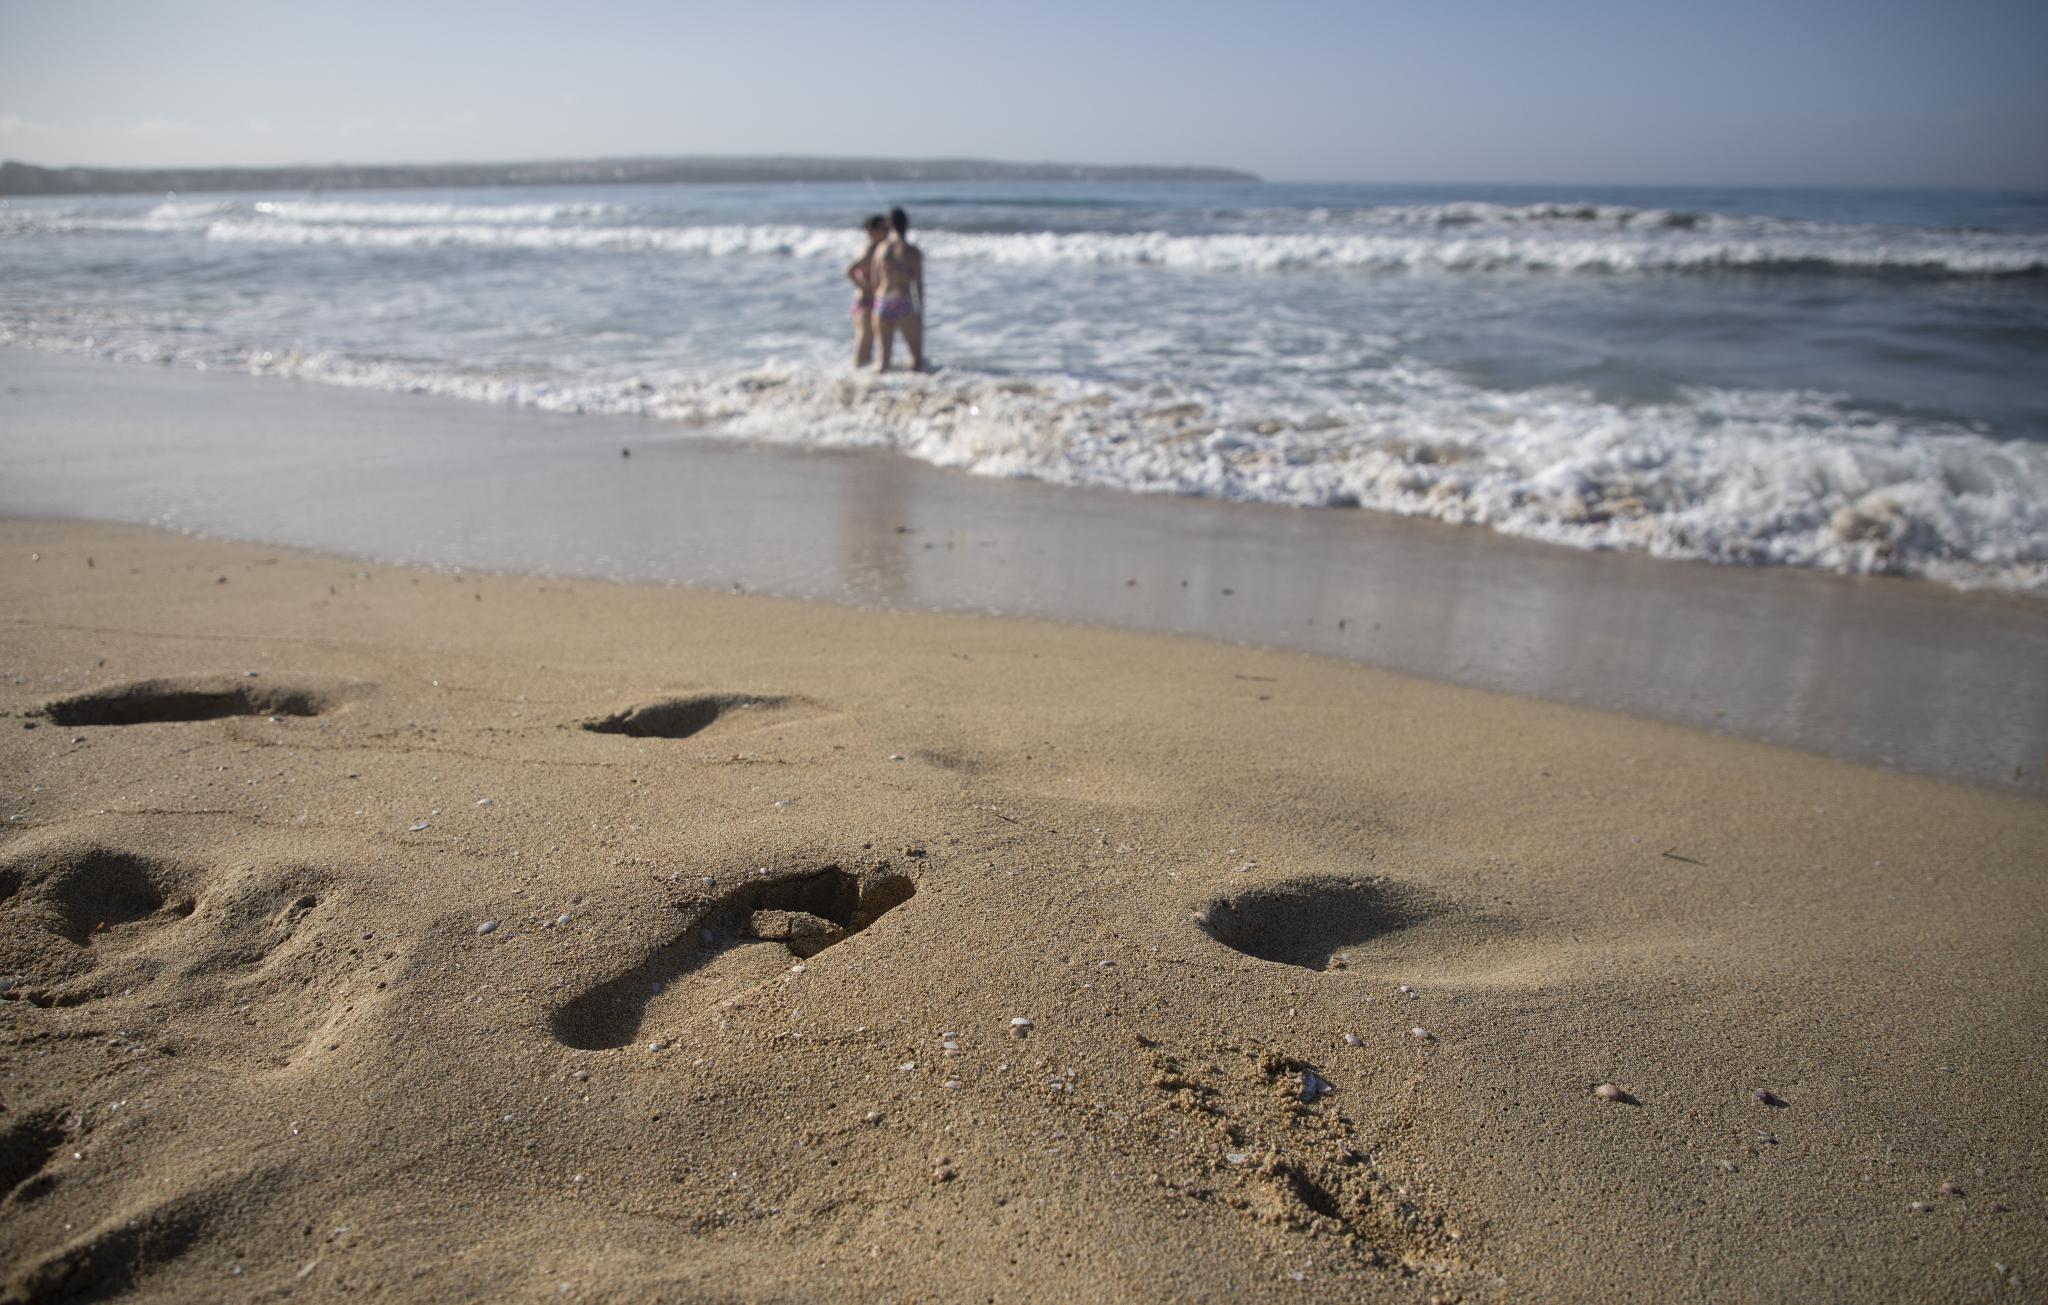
[1335,924]
[144,702]
[745,934]
[682,718]
[128,1249]
[88,923]
[29,1146]
[72,908]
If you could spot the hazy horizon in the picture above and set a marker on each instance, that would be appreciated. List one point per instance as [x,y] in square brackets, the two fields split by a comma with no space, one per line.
[1451,183]
[1590,92]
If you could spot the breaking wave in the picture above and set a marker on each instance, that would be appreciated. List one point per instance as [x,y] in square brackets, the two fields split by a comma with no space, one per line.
[1467,237]
[1496,246]
[1731,476]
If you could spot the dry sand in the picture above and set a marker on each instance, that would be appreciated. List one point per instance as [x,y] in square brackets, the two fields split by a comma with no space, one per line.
[343,958]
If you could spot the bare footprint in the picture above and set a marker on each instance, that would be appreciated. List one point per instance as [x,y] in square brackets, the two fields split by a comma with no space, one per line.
[271,941]
[1332,923]
[1307,922]
[745,933]
[143,702]
[126,1251]
[682,718]
[96,893]
[28,1146]
[75,906]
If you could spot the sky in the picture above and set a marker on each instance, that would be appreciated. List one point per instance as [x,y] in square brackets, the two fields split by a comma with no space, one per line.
[1822,92]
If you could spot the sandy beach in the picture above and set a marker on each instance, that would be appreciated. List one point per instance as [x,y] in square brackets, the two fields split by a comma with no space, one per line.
[418,934]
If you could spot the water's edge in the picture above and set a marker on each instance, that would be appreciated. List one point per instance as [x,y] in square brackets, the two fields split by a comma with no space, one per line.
[1891,672]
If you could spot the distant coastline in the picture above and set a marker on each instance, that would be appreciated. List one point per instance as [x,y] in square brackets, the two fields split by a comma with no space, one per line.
[31,179]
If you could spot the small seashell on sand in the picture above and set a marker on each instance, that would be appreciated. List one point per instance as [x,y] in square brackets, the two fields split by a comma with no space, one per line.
[1404,988]
[1609,1092]
[1766,1097]
[907,1066]
[657,1045]
[1353,1040]
[1420,1032]
[488,926]
[1314,1086]
[1949,1188]
[1021,1027]
[1921,1207]
[485,802]
[873,1117]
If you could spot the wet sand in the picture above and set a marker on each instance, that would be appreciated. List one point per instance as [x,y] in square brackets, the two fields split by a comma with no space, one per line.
[1897,673]
[342,957]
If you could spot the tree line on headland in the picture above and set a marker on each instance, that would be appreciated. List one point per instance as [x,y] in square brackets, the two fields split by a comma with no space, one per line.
[29,179]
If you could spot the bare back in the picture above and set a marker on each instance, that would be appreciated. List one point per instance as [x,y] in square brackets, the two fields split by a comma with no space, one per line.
[898,267]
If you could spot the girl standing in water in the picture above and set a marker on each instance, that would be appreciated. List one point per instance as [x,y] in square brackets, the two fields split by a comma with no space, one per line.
[897,270]
[862,274]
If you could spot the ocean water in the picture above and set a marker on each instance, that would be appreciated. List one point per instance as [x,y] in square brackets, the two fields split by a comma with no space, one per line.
[1853,381]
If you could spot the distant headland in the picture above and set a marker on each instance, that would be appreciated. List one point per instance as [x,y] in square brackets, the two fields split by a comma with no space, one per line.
[29,179]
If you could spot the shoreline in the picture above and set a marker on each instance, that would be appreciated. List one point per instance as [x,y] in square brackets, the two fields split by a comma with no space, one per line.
[392,945]
[1881,670]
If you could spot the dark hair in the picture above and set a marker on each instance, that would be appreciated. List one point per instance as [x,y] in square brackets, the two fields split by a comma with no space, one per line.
[900,220]
[874,220]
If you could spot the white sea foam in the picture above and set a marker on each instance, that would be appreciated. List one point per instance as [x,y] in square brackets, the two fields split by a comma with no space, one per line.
[229,216]
[1414,243]
[781,240]
[1476,213]
[390,212]
[1753,477]
[1457,237]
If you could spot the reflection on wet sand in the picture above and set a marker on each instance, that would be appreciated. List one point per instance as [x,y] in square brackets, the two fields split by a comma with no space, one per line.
[875,534]
[1894,672]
